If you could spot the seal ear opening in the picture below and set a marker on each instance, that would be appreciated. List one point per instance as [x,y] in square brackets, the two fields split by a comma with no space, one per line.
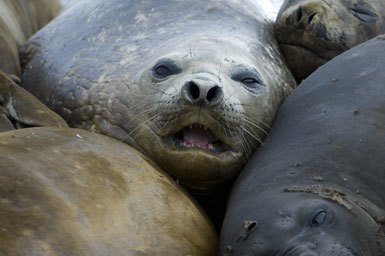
[26,54]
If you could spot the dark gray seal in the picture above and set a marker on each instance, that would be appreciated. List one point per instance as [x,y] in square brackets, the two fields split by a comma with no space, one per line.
[317,187]
[19,19]
[193,85]
[311,32]
[70,192]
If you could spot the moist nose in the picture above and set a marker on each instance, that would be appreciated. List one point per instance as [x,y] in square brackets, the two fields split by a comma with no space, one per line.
[202,92]
[301,16]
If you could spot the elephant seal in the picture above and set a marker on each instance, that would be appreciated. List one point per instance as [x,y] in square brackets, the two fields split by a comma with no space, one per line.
[73,192]
[311,32]
[317,187]
[20,109]
[19,19]
[193,85]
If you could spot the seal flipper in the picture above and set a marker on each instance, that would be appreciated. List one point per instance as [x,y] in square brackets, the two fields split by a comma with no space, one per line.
[23,109]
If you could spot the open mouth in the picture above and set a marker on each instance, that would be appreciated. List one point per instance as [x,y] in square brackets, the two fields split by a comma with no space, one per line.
[198,136]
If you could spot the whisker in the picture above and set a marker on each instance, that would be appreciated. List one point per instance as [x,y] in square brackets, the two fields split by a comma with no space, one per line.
[256,126]
[258,120]
[252,135]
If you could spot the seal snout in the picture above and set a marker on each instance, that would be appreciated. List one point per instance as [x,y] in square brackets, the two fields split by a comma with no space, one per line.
[301,249]
[302,16]
[205,92]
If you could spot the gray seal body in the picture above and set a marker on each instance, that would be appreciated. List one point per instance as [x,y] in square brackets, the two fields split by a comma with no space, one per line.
[193,85]
[317,187]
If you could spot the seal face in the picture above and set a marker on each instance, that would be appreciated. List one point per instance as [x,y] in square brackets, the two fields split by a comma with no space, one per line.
[193,89]
[302,223]
[317,186]
[73,192]
[311,32]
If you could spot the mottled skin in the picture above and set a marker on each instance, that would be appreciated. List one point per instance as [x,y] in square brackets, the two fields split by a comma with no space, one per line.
[72,192]
[19,19]
[142,71]
[311,32]
[317,187]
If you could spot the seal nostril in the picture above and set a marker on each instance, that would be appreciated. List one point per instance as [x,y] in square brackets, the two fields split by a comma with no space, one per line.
[311,17]
[193,91]
[298,15]
[214,94]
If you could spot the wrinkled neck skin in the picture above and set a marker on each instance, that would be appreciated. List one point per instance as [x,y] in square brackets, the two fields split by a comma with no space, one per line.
[316,220]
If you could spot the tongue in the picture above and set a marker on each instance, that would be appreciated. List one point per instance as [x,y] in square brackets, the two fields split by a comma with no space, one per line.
[199,137]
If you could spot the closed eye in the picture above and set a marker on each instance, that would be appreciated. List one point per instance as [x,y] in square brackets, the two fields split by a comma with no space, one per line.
[364,14]
[164,69]
[249,79]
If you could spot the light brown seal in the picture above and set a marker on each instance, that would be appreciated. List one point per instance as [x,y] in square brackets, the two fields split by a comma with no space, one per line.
[72,192]
[20,109]
[193,85]
[311,32]
[19,19]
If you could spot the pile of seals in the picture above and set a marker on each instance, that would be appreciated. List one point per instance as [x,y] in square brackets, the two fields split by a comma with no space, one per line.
[195,88]
[317,187]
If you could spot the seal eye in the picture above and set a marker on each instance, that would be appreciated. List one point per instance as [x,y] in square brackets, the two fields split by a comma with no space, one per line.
[251,82]
[364,14]
[164,69]
[249,79]
[319,218]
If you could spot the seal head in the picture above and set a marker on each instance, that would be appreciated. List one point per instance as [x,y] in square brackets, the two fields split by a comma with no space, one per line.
[311,32]
[307,220]
[191,86]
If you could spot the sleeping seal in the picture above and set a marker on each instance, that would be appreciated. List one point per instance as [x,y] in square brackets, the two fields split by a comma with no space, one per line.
[317,187]
[19,19]
[70,192]
[193,85]
[311,32]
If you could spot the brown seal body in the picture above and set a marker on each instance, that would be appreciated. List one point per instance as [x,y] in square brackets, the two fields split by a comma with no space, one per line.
[311,32]
[193,85]
[19,19]
[72,192]
[20,109]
